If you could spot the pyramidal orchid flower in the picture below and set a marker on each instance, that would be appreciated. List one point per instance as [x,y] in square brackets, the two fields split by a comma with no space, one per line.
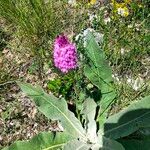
[65,54]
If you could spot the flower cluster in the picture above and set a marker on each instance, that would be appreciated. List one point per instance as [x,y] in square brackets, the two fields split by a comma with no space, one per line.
[121,7]
[124,12]
[65,54]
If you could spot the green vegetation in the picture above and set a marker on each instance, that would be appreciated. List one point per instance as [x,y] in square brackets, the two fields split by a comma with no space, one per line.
[112,75]
[84,133]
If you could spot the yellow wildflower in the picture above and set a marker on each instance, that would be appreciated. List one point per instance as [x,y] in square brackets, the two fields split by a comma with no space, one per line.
[121,7]
[124,11]
[92,2]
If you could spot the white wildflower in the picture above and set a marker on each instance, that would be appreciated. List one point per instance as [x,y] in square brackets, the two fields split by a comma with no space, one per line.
[72,2]
[124,12]
[122,51]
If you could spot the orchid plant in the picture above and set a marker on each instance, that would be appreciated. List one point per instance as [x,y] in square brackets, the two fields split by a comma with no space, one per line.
[93,129]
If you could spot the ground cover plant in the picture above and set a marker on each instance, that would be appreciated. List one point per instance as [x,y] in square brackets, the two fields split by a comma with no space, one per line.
[84,64]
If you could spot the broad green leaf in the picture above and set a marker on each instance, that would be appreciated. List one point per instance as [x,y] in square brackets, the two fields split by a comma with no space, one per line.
[76,145]
[42,141]
[89,109]
[97,67]
[136,144]
[144,132]
[108,144]
[89,112]
[100,74]
[105,144]
[129,120]
[55,109]
[105,102]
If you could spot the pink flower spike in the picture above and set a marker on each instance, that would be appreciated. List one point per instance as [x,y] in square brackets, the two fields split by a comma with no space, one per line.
[65,54]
